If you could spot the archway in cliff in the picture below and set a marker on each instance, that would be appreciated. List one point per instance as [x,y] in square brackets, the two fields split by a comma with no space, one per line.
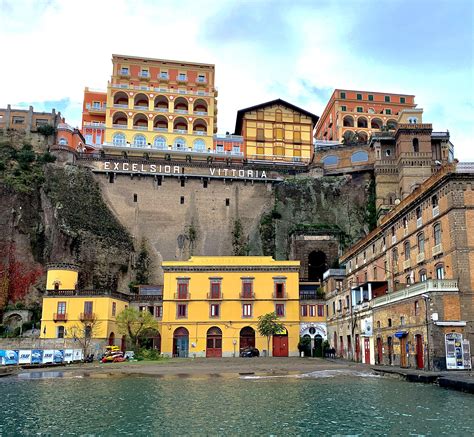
[317,265]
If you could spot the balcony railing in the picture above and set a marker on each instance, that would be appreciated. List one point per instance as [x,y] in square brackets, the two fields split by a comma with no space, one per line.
[181,111]
[247,295]
[283,295]
[161,109]
[141,107]
[182,296]
[87,293]
[60,317]
[215,296]
[180,131]
[437,250]
[420,257]
[199,132]
[120,105]
[84,317]
[120,126]
[162,90]
[140,127]
[200,112]
[146,298]
[406,264]
[160,129]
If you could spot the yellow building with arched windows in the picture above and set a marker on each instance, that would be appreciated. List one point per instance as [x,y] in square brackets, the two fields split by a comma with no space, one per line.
[160,105]
[211,305]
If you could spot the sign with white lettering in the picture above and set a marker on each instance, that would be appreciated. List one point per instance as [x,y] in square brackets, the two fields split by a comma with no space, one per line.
[177,170]
[24,357]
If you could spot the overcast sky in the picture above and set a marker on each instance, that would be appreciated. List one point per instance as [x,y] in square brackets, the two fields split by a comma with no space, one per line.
[297,50]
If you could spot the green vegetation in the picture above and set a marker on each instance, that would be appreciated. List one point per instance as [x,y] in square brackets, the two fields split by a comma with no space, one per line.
[267,230]
[143,265]
[269,325]
[46,130]
[191,235]
[135,324]
[240,245]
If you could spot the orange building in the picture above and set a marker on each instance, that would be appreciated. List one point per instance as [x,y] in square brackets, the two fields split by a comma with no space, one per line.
[93,116]
[360,112]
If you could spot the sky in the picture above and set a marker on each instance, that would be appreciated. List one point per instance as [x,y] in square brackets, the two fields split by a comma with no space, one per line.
[296,50]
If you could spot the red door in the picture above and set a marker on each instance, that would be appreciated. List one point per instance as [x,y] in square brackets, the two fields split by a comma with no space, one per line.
[357,347]
[379,351]
[419,352]
[280,345]
[214,343]
[366,351]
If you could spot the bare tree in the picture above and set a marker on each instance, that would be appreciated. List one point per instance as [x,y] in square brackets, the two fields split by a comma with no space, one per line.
[84,332]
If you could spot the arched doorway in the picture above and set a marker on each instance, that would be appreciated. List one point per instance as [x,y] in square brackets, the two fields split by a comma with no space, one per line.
[318,346]
[317,265]
[111,339]
[419,352]
[280,344]
[214,342]
[306,343]
[181,343]
[247,338]
[151,339]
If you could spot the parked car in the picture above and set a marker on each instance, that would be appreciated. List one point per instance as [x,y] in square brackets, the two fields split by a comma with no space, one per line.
[249,352]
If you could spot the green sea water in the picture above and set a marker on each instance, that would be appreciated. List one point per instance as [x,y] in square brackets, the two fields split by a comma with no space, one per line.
[320,403]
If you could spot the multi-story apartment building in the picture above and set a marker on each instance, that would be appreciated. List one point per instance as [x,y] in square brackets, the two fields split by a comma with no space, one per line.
[361,113]
[153,104]
[93,116]
[68,311]
[211,305]
[413,275]
[27,120]
[313,316]
[276,131]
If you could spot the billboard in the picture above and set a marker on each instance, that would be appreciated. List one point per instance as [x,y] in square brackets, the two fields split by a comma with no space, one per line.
[24,357]
[68,355]
[77,356]
[36,356]
[8,357]
[58,356]
[48,356]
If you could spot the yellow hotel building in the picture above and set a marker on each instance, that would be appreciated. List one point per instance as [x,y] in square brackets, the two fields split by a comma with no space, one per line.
[66,309]
[276,131]
[160,105]
[211,305]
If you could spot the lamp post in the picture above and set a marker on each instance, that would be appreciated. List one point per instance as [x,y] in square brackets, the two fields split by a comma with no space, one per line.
[427,298]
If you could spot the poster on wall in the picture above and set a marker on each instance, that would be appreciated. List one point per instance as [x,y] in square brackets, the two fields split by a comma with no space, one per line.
[77,356]
[36,356]
[68,355]
[48,356]
[9,357]
[454,351]
[466,351]
[58,357]
[24,357]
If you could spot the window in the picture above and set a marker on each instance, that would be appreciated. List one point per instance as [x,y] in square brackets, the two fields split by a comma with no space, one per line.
[416,145]
[417,308]
[421,243]
[347,301]
[423,276]
[183,290]
[343,95]
[389,323]
[227,202]
[124,71]
[182,310]
[247,310]
[204,183]
[406,249]
[215,289]
[88,138]
[402,321]
[413,120]
[360,156]
[434,201]
[312,310]
[181,200]
[320,310]
[201,78]
[179,144]
[387,98]
[343,108]
[437,233]
[278,116]
[88,306]
[440,271]
[139,141]
[330,160]
[159,143]
[135,198]
[163,75]
[279,290]
[247,288]
[405,223]
[360,109]
[402,100]
[235,150]
[375,274]
[60,332]
[114,309]
[371,97]
[395,256]
[304,310]
[408,280]
[61,308]
[182,76]
[215,310]
[183,181]
[388,111]
[199,145]
[334,307]
[220,148]
[359,96]
[118,139]
[18,120]
[62,141]
[158,312]
[280,309]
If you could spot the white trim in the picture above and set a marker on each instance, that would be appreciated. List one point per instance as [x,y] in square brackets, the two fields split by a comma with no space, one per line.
[452,323]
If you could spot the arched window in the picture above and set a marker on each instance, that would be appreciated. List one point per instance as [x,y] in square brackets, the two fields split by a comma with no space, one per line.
[118,139]
[139,141]
[437,233]
[421,242]
[360,156]
[330,160]
[62,141]
[439,271]
[160,143]
[412,120]
[199,145]
[422,275]
[179,143]
[416,145]
[406,249]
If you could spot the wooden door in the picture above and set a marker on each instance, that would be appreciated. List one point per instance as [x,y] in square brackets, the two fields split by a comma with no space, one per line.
[367,350]
[419,352]
[280,346]
[379,351]
[214,343]
[357,347]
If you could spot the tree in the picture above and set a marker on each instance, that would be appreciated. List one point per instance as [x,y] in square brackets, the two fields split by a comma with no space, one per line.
[135,323]
[143,264]
[268,325]
[84,332]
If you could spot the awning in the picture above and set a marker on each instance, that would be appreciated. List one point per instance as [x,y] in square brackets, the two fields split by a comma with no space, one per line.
[400,334]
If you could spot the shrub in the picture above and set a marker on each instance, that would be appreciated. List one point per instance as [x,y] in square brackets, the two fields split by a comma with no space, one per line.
[46,130]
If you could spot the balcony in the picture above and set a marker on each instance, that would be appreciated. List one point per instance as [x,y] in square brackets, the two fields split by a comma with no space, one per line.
[97,110]
[247,296]
[181,111]
[438,249]
[160,129]
[180,131]
[141,107]
[215,296]
[182,79]
[144,75]
[120,126]
[163,77]
[200,112]
[182,296]
[87,317]
[140,127]
[60,317]
[200,132]
[420,257]
[406,264]
[124,73]
[280,296]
